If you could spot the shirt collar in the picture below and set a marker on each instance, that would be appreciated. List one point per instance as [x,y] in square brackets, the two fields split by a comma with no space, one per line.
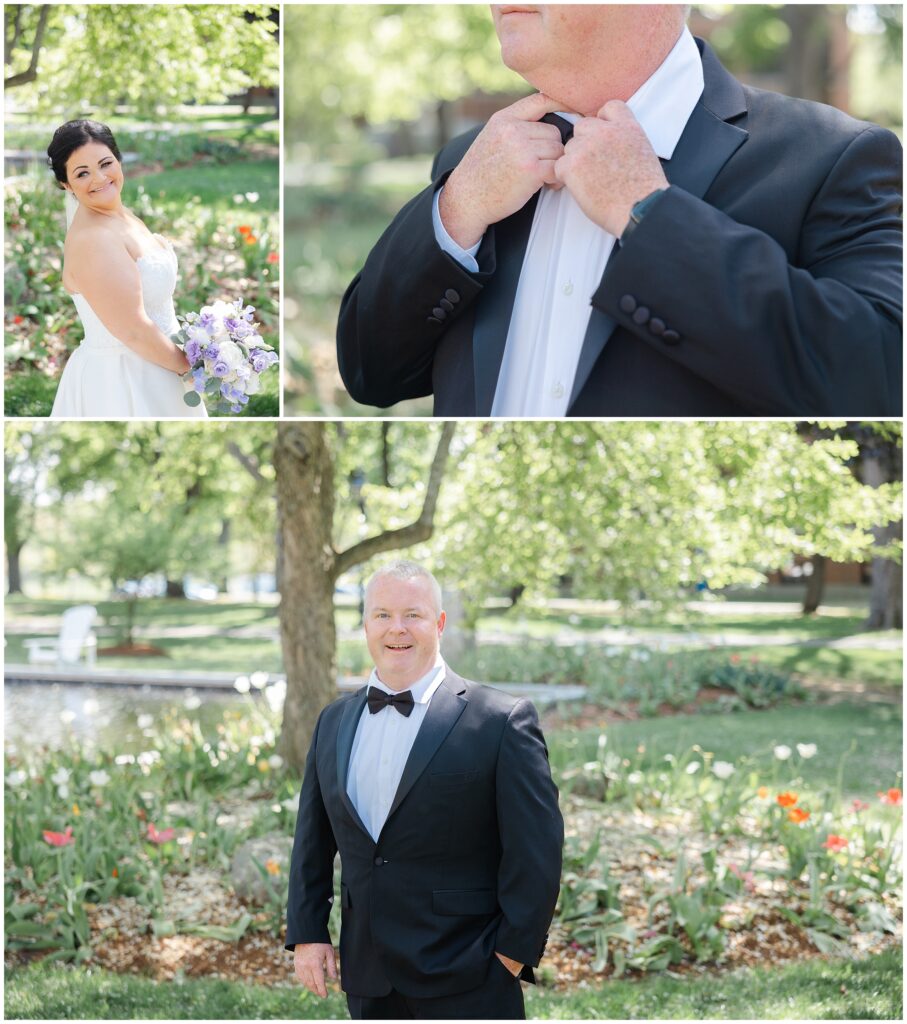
[423,688]
[664,102]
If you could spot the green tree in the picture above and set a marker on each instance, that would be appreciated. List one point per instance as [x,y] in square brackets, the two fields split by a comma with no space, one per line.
[152,55]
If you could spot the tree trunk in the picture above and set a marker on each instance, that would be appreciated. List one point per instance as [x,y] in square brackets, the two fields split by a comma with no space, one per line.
[815,585]
[305,513]
[304,468]
[13,569]
[31,73]
[806,59]
[459,640]
[175,588]
[882,462]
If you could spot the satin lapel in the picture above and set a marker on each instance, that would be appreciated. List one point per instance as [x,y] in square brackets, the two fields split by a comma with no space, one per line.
[345,736]
[495,305]
[706,145]
[444,709]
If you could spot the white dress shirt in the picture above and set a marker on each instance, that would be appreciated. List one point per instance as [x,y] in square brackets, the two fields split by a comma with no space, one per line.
[381,747]
[566,255]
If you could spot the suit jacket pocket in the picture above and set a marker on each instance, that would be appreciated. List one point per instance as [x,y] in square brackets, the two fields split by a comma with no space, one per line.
[454,902]
[450,780]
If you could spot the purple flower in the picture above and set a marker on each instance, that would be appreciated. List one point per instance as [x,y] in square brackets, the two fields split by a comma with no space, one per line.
[226,390]
[193,350]
[235,408]
[208,321]
[230,324]
[211,351]
[220,369]
[260,361]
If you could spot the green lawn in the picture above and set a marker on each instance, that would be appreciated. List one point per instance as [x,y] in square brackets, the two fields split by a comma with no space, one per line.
[817,989]
[876,731]
[215,185]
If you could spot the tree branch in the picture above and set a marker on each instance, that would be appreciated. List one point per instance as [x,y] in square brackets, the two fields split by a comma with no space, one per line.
[406,536]
[31,73]
[247,462]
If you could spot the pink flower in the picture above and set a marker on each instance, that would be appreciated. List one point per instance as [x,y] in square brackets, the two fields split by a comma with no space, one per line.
[747,877]
[60,838]
[859,805]
[159,837]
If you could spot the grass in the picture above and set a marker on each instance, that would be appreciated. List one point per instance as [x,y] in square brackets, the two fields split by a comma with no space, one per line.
[876,731]
[817,989]
[215,185]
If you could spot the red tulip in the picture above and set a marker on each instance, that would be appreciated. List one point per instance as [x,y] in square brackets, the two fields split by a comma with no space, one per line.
[835,843]
[60,838]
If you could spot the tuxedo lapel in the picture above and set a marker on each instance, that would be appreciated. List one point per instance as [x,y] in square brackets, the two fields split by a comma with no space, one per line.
[495,305]
[707,143]
[346,733]
[444,708]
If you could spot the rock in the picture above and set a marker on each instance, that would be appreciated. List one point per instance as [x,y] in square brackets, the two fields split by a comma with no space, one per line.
[245,875]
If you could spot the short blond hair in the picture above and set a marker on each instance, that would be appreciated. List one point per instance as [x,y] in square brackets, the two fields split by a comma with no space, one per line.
[406,570]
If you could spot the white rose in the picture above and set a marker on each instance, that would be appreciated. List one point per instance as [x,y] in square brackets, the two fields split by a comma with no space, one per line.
[231,354]
[251,385]
[723,769]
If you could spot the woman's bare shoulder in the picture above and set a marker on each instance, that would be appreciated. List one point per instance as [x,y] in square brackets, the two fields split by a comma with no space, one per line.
[96,237]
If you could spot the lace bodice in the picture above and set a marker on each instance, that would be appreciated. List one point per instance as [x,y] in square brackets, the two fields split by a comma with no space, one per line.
[158,271]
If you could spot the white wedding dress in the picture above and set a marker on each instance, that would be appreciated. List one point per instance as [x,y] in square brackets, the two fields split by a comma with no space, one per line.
[104,379]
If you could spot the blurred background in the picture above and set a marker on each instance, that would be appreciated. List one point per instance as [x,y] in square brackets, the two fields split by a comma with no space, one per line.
[363,126]
[190,92]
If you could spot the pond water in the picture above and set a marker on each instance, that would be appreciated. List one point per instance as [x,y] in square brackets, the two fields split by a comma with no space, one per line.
[53,714]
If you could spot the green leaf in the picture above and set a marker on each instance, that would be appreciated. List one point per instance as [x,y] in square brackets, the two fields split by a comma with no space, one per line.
[192,398]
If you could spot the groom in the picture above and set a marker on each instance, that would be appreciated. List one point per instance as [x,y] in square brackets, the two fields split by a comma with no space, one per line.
[644,236]
[437,793]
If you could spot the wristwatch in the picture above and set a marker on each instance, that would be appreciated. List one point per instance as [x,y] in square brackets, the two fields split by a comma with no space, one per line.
[639,211]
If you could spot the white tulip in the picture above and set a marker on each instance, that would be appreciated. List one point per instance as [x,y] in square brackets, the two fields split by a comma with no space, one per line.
[807,750]
[782,752]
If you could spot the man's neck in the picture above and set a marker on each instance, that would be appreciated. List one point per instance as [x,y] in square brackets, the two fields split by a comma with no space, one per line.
[616,77]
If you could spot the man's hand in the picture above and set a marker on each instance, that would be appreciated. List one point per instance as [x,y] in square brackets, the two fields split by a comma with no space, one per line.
[310,960]
[514,966]
[509,161]
[609,165]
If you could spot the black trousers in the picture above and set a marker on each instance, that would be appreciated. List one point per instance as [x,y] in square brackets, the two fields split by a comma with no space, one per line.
[499,997]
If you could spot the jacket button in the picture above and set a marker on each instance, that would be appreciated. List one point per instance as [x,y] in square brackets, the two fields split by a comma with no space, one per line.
[670,337]
[451,295]
[656,326]
[433,320]
[446,304]
[641,316]
[439,313]
[628,304]
[379,860]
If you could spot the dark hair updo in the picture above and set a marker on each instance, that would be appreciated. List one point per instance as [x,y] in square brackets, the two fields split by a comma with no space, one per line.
[73,135]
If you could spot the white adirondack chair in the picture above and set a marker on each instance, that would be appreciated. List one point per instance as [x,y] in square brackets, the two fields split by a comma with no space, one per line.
[74,637]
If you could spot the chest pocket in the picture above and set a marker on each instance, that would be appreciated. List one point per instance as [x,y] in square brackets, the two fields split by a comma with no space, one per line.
[454,780]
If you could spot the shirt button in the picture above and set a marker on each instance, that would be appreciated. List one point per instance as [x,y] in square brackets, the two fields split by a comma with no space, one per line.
[568,288]
[557,390]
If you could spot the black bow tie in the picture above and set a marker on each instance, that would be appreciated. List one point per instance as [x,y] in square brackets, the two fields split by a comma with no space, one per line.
[378,699]
[562,125]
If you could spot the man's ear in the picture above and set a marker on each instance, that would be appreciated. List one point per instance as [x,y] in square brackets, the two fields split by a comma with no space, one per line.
[442,618]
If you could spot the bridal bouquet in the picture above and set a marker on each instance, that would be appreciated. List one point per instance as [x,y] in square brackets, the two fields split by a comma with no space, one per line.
[226,355]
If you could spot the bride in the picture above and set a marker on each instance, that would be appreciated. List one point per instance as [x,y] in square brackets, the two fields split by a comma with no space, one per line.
[121,278]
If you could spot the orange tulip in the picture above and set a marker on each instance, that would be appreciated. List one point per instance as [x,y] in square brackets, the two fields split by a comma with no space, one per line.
[893,797]
[797,815]
[762,792]
[244,229]
[251,239]
[787,799]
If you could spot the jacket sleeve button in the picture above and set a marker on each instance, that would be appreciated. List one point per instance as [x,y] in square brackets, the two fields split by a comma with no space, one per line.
[451,295]
[656,326]
[627,304]
[433,320]
[641,316]
[446,304]
[439,313]
[670,337]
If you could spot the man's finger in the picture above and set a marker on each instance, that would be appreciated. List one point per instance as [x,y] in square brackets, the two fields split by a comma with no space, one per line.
[531,108]
[331,965]
[616,110]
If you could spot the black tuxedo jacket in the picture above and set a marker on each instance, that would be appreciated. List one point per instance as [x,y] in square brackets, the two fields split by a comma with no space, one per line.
[468,862]
[765,281]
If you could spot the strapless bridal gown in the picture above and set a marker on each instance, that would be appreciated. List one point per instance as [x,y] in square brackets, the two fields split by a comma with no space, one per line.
[104,379]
